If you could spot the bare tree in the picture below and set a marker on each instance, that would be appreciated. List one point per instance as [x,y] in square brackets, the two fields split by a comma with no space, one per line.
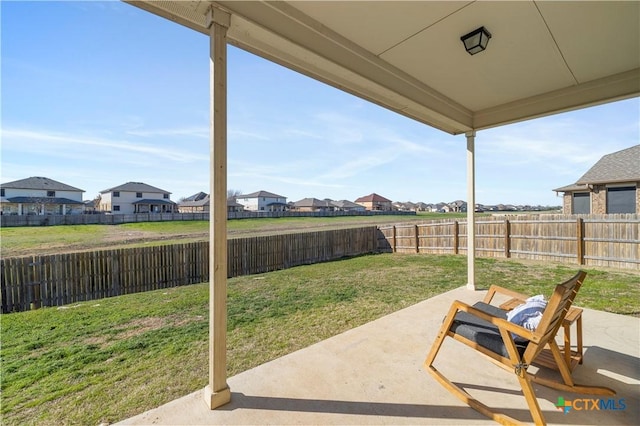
[233,193]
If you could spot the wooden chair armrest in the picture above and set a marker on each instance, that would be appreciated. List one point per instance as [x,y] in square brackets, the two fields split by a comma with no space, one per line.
[498,322]
[497,289]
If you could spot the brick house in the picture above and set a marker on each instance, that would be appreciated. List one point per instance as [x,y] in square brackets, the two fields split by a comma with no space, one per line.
[347,206]
[610,186]
[314,205]
[200,202]
[375,202]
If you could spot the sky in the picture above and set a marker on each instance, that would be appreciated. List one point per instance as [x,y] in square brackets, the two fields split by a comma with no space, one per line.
[97,94]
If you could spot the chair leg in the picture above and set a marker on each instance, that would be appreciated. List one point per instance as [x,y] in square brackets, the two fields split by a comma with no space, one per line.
[530,397]
[470,400]
[561,362]
[520,370]
[442,333]
[454,389]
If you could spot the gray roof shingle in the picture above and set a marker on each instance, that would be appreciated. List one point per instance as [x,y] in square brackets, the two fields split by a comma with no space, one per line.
[135,187]
[37,182]
[620,166]
[346,204]
[571,188]
[41,200]
[312,202]
[260,194]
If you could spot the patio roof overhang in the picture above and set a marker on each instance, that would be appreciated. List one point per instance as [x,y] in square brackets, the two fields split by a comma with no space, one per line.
[544,57]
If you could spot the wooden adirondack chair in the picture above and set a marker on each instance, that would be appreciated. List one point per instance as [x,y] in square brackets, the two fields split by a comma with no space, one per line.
[485,328]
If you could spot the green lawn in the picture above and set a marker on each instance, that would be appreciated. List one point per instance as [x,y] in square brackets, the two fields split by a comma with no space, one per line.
[107,360]
[39,240]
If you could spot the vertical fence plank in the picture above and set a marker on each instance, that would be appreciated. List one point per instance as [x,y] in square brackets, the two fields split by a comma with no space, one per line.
[456,237]
[395,238]
[116,270]
[507,238]
[580,240]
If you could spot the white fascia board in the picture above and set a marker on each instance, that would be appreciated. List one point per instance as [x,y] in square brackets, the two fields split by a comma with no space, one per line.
[613,88]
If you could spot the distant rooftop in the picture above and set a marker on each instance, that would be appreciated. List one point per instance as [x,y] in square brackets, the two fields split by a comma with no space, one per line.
[135,187]
[260,194]
[372,198]
[37,182]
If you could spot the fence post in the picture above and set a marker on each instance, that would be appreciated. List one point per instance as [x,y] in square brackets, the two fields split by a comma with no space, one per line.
[580,240]
[507,238]
[394,239]
[33,285]
[456,237]
[417,239]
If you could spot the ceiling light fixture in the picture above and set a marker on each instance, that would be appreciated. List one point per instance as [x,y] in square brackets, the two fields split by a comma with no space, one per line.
[476,41]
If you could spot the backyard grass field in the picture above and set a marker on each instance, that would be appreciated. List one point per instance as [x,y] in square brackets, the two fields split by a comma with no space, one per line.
[43,240]
[110,359]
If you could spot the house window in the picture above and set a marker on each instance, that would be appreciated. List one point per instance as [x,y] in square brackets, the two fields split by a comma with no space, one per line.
[116,208]
[2,192]
[165,196]
[138,194]
[621,199]
[116,193]
[51,193]
[581,203]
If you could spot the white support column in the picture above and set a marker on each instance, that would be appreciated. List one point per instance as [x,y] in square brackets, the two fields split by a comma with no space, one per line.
[217,392]
[471,210]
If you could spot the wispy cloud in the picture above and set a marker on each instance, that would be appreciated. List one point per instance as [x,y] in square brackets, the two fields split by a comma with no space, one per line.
[307,134]
[196,132]
[64,144]
[244,134]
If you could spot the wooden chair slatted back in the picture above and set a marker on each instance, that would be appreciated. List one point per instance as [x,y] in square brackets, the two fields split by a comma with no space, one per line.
[557,308]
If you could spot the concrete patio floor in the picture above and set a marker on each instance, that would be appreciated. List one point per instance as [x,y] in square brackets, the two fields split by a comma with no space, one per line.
[373,375]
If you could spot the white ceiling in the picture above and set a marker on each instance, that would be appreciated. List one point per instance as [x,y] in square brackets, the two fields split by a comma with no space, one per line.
[544,57]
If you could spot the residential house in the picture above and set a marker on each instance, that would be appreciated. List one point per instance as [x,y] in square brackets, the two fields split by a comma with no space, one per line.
[407,206]
[39,196]
[458,206]
[136,197]
[263,201]
[375,202]
[200,202]
[91,206]
[197,203]
[233,206]
[422,207]
[314,205]
[610,186]
[347,206]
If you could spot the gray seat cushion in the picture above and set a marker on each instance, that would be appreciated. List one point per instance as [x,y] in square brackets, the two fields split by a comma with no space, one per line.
[483,332]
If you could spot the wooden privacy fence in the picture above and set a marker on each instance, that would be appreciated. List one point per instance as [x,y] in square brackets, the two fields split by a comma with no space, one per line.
[591,240]
[35,281]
